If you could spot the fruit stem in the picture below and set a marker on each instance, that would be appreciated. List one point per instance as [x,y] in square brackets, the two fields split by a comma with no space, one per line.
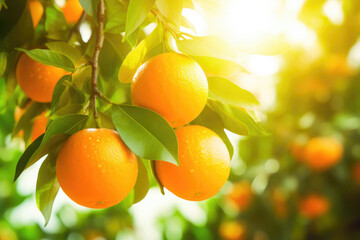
[95,58]
[167,27]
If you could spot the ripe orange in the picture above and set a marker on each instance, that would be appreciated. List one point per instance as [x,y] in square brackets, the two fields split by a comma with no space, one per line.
[204,165]
[315,87]
[36,11]
[279,202]
[356,173]
[337,65]
[72,11]
[297,150]
[36,79]
[172,85]
[241,195]
[39,126]
[313,206]
[96,169]
[321,153]
[232,230]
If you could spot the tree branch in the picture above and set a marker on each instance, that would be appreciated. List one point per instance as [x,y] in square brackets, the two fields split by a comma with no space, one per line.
[95,59]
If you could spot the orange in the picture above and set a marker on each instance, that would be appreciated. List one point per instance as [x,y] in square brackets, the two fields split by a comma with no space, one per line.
[313,206]
[321,153]
[337,65]
[72,11]
[232,230]
[241,195]
[39,126]
[313,87]
[356,173]
[172,85]
[279,202]
[36,79]
[96,169]
[297,150]
[36,11]
[204,165]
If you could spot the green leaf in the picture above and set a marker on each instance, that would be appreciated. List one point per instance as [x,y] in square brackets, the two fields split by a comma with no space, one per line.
[187,23]
[3,101]
[211,120]
[20,34]
[68,109]
[25,157]
[153,170]
[122,49]
[90,7]
[128,200]
[146,133]
[68,124]
[115,16]
[236,119]
[137,56]
[55,24]
[47,186]
[171,10]
[64,48]
[58,91]
[76,95]
[207,46]
[228,92]
[3,59]
[11,15]
[219,66]
[142,185]
[26,120]
[136,14]
[189,4]
[51,58]
[54,143]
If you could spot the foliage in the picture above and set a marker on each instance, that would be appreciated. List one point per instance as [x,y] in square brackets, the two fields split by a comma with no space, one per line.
[118,45]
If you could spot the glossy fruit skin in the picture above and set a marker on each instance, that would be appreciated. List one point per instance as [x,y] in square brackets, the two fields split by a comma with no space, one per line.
[36,11]
[96,169]
[322,153]
[72,11]
[313,206]
[172,85]
[36,79]
[204,165]
[39,126]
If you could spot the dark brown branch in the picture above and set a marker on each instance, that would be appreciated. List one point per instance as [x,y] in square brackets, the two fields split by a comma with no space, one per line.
[95,59]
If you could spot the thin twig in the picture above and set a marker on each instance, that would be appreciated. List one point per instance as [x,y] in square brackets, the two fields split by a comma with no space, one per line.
[95,59]
[182,34]
[164,21]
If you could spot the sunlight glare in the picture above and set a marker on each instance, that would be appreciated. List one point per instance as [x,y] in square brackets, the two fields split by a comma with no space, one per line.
[197,20]
[263,66]
[249,20]
[333,10]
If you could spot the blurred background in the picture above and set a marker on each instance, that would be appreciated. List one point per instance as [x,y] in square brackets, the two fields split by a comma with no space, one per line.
[302,182]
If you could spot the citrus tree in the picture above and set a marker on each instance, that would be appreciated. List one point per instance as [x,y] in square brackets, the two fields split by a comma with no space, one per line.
[113,91]
[305,177]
